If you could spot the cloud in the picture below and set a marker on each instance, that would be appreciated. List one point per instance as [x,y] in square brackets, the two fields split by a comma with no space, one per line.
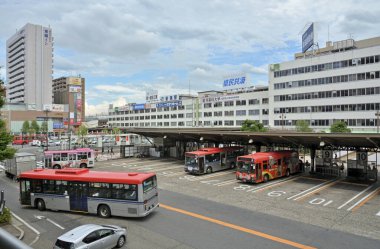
[102,108]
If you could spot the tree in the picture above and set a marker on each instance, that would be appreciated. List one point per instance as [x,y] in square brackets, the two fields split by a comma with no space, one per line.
[44,127]
[5,138]
[253,125]
[34,125]
[339,127]
[25,127]
[82,131]
[303,126]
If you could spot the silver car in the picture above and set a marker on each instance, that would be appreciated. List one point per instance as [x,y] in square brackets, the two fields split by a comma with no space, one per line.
[92,236]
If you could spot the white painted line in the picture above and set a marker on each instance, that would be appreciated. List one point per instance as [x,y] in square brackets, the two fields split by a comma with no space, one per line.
[172,167]
[362,199]
[225,183]
[315,190]
[310,189]
[327,203]
[26,224]
[378,214]
[353,198]
[271,184]
[55,223]
[210,176]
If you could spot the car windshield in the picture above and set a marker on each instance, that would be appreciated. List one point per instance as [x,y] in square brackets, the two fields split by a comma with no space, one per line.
[63,244]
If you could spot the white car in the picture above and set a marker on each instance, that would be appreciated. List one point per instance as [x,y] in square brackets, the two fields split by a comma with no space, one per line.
[36,143]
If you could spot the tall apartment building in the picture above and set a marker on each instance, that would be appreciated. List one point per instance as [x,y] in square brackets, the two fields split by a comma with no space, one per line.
[71,91]
[30,66]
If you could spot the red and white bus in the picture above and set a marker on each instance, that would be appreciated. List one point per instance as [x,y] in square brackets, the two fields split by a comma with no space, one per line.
[97,192]
[208,160]
[78,158]
[264,166]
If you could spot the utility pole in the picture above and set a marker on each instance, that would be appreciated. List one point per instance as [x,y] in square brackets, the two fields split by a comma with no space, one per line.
[377,114]
[47,128]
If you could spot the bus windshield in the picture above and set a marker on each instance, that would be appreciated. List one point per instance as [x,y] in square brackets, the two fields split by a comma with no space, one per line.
[246,167]
[191,160]
[149,184]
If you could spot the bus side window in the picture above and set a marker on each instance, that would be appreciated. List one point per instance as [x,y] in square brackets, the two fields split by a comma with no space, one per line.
[89,154]
[265,164]
[57,157]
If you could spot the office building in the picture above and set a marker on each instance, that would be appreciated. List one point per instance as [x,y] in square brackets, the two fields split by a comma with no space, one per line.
[30,66]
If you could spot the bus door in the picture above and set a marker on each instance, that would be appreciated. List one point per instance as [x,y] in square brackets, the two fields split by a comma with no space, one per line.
[201,164]
[78,196]
[48,161]
[259,172]
[279,168]
[73,160]
[25,192]
[223,160]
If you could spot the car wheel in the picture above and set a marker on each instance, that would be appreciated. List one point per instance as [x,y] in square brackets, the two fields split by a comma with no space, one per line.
[83,165]
[104,211]
[120,241]
[41,205]
[266,178]
[209,170]
[56,166]
[287,172]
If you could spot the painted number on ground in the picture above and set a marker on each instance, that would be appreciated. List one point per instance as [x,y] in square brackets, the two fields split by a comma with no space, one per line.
[320,201]
[276,193]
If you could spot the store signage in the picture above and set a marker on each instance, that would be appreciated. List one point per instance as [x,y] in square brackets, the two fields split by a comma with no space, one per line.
[217,98]
[169,104]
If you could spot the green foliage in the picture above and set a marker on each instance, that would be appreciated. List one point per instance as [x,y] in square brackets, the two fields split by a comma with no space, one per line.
[34,125]
[303,126]
[116,130]
[44,127]
[5,137]
[6,216]
[253,125]
[339,127]
[25,127]
[82,131]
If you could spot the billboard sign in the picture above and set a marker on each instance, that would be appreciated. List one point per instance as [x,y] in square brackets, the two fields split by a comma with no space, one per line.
[138,106]
[58,126]
[235,81]
[151,95]
[169,104]
[54,107]
[308,38]
[75,81]
[217,98]
[75,89]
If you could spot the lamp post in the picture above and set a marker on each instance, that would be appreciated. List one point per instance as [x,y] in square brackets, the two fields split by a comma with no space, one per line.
[377,114]
[47,128]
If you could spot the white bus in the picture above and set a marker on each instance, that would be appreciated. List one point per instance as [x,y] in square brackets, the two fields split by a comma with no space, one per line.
[78,158]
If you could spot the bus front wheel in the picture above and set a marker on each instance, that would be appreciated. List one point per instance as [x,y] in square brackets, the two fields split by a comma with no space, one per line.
[104,211]
[56,166]
[209,170]
[40,205]
[266,178]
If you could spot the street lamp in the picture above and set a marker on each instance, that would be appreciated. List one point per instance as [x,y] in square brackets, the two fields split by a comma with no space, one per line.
[47,128]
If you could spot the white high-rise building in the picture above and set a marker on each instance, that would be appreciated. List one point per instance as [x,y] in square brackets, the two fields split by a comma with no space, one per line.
[30,66]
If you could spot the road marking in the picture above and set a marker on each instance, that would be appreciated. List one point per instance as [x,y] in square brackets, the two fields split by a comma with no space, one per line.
[363,200]
[271,184]
[327,185]
[210,176]
[171,167]
[40,217]
[307,190]
[26,224]
[238,228]
[225,183]
[353,198]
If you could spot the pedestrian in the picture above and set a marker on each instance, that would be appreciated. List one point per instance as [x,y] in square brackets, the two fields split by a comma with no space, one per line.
[111,150]
[307,164]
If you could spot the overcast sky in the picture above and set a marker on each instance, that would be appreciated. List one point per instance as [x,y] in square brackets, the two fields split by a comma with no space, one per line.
[124,48]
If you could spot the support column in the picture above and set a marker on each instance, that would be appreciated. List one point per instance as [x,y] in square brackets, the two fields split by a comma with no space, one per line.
[312,159]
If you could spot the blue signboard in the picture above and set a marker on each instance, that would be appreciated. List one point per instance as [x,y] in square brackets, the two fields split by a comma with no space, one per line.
[234,81]
[57,125]
[308,38]
[139,107]
[168,104]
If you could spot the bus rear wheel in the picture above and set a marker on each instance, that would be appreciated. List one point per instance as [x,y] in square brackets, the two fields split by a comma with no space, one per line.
[57,166]
[104,211]
[83,165]
[40,205]
[287,172]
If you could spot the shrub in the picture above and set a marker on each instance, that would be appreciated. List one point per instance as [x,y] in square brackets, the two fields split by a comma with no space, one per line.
[5,217]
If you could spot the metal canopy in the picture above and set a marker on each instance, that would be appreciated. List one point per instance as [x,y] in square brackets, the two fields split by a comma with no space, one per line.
[351,141]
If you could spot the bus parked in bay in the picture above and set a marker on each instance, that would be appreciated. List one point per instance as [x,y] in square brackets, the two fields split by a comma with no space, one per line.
[78,158]
[264,166]
[208,160]
[96,192]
